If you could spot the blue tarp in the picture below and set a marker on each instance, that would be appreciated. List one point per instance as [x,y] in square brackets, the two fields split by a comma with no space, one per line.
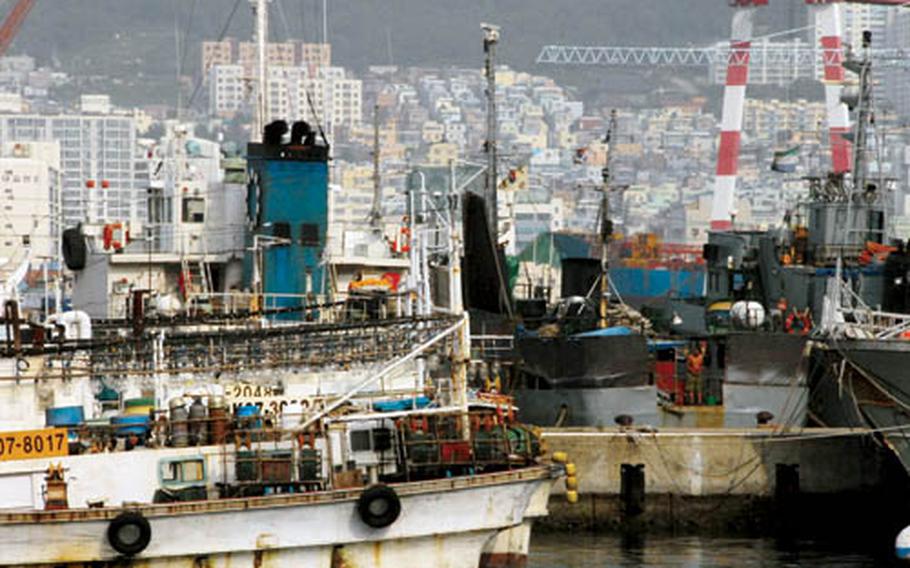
[660,345]
[402,404]
[606,332]
[658,282]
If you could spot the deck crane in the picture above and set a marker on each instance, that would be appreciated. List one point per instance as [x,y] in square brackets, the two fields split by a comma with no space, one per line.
[13,23]
[738,59]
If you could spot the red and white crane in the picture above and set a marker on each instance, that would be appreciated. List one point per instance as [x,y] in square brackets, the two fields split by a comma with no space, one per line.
[13,22]
[828,19]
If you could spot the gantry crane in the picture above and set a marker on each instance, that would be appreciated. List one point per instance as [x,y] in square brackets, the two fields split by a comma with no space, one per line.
[828,19]
[13,23]
[738,58]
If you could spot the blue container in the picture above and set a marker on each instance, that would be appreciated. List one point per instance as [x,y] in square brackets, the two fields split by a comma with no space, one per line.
[64,416]
[247,411]
[127,425]
[401,404]
[248,417]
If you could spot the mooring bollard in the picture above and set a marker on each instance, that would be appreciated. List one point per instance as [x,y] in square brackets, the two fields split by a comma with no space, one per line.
[786,482]
[632,489]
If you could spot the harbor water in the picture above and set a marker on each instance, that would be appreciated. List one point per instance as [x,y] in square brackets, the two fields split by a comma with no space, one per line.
[559,550]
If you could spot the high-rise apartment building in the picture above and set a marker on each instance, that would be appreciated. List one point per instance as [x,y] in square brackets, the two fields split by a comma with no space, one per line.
[98,161]
[330,99]
[312,56]
[29,200]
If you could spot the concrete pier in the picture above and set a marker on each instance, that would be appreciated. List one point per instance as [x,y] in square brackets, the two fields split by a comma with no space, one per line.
[727,480]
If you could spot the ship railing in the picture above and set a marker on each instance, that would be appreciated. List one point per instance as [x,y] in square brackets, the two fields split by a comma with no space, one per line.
[345,307]
[874,324]
[434,443]
[438,338]
[492,347]
[238,303]
[243,351]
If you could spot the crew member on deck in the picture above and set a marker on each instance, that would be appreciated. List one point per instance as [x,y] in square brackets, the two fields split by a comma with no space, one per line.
[695,363]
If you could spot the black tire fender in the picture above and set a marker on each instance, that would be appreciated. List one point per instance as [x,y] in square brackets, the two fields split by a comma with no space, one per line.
[74,248]
[379,506]
[125,543]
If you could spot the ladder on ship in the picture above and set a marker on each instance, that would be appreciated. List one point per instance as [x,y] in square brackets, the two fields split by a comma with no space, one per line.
[197,282]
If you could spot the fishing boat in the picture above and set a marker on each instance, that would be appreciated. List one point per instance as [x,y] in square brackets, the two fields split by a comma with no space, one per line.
[295,431]
[308,442]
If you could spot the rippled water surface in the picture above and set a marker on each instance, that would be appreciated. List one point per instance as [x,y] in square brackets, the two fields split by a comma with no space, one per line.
[588,551]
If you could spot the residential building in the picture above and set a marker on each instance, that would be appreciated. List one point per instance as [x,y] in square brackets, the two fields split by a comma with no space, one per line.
[216,53]
[277,55]
[98,162]
[30,197]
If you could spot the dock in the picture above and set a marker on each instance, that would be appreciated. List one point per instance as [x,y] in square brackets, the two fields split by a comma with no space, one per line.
[721,480]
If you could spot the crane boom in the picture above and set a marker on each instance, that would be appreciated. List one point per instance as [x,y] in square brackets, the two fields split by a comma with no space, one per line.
[768,54]
[13,23]
[738,57]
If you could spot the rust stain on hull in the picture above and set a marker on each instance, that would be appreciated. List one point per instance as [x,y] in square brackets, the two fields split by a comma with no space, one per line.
[340,558]
[503,560]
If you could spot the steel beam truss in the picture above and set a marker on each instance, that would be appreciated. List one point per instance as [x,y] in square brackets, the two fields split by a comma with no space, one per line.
[758,54]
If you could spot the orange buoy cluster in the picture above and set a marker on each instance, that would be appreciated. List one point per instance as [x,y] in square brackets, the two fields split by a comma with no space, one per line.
[571,479]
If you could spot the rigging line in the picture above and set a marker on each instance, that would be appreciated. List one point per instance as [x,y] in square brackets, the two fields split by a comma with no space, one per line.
[284,20]
[221,34]
[309,100]
[186,37]
[303,10]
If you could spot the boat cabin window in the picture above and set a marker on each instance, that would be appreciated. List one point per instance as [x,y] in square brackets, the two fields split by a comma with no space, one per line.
[193,210]
[377,439]
[179,472]
[281,230]
[309,235]
[360,441]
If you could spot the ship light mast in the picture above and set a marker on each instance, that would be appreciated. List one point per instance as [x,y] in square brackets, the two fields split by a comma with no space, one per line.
[261,111]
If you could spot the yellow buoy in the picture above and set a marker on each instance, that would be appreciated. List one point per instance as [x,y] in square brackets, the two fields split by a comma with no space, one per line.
[571,469]
[560,457]
[572,497]
[572,483]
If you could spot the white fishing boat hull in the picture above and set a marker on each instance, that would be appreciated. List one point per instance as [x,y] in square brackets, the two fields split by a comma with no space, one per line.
[443,523]
[510,547]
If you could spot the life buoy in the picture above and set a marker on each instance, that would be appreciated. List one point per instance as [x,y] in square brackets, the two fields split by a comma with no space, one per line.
[111,236]
[798,323]
[379,506]
[129,533]
[405,239]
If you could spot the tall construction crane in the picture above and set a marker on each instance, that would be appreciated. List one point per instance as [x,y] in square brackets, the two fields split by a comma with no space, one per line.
[13,22]
[738,57]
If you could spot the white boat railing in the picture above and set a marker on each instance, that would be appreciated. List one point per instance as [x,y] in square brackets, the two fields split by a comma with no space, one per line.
[459,392]
[847,315]
[487,347]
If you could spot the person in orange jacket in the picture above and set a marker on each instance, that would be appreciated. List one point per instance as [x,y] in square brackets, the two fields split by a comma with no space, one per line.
[695,363]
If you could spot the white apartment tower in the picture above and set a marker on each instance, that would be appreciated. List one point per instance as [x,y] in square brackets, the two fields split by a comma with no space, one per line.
[98,160]
[30,198]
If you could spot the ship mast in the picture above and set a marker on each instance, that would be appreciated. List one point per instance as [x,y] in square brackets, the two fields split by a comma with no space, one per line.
[490,40]
[862,99]
[376,210]
[606,224]
[261,14]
